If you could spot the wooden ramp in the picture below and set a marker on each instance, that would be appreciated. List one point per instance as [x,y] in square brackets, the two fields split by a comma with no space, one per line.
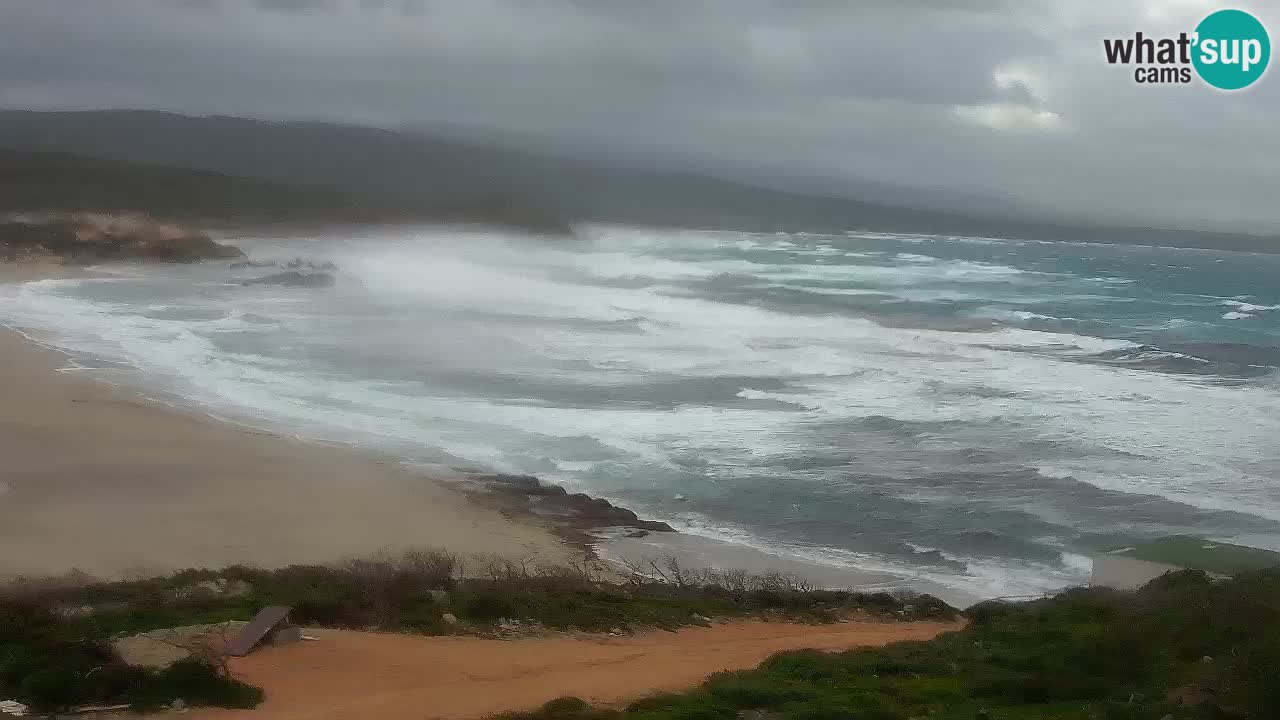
[264,623]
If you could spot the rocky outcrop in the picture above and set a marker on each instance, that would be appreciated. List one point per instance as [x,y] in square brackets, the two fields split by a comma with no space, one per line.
[299,264]
[303,264]
[294,278]
[242,264]
[577,509]
[84,238]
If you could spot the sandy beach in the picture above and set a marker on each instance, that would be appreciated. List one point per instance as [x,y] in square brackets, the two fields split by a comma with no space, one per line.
[95,478]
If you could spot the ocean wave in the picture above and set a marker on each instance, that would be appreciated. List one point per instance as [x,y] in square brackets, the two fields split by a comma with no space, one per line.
[1245,307]
[997,313]
[1028,315]
[1066,343]
[979,577]
[616,369]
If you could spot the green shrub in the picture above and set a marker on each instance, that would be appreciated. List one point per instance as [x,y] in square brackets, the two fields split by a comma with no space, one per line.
[751,689]
[1085,654]
[46,663]
[196,683]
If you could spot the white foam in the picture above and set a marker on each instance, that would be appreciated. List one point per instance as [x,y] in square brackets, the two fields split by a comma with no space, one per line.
[485,304]
[1028,315]
[982,577]
[1245,307]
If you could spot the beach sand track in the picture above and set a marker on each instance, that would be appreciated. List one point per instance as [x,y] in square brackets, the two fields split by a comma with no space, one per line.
[347,674]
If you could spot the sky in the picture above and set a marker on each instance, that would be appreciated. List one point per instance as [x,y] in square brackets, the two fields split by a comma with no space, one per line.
[1009,99]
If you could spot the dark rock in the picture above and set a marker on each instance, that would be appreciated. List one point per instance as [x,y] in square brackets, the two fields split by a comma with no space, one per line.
[524,484]
[655,525]
[1189,695]
[98,237]
[251,264]
[301,264]
[579,509]
[293,278]
[287,635]
[638,534]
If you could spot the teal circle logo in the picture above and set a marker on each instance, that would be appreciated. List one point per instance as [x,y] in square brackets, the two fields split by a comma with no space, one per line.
[1232,49]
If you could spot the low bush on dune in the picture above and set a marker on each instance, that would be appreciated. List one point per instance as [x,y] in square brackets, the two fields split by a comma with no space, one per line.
[414,592]
[52,666]
[1183,647]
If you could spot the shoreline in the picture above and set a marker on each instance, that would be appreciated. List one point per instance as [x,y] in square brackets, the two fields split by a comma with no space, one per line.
[267,498]
[97,479]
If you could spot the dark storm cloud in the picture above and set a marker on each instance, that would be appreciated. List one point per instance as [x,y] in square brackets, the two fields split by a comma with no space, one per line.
[1002,98]
[295,5]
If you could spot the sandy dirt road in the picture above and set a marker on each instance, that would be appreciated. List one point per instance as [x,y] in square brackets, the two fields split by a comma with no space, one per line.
[346,674]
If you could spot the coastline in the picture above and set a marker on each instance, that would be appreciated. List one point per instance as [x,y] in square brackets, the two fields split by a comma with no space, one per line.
[97,479]
[102,480]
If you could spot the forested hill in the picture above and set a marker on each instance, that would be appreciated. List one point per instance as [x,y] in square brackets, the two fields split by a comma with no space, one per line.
[426,176]
[55,182]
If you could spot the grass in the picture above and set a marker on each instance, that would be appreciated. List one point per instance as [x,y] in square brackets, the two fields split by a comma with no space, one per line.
[1193,552]
[1182,647]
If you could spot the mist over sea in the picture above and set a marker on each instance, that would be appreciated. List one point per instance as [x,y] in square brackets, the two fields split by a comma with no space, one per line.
[980,413]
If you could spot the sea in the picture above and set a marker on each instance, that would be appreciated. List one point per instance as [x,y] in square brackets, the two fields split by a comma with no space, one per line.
[979,414]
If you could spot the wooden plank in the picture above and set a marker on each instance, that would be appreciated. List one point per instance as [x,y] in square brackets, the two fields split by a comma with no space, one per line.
[256,631]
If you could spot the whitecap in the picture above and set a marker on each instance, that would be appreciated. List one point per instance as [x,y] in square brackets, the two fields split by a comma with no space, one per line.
[1245,307]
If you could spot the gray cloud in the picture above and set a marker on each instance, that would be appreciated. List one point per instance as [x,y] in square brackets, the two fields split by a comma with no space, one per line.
[1008,99]
[295,5]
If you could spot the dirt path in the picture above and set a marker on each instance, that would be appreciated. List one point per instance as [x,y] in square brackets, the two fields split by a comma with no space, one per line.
[347,674]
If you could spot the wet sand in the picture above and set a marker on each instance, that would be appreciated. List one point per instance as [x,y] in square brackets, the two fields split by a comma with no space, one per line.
[96,478]
[347,674]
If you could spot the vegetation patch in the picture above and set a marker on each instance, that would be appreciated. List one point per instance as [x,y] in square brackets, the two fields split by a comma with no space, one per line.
[1183,647]
[52,665]
[55,637]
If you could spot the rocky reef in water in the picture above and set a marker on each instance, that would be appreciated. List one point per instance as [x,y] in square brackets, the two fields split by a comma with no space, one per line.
[577,510]
[293,278]
[84,238]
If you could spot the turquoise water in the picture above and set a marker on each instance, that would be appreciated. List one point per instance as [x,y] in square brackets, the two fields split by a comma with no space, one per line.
[978,412]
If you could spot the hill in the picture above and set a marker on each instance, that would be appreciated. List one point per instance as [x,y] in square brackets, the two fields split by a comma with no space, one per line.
[444,177]
[36,182]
